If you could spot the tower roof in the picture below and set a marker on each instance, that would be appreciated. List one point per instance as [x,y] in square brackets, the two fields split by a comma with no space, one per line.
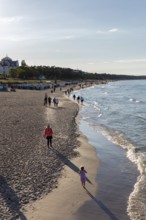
[6,59]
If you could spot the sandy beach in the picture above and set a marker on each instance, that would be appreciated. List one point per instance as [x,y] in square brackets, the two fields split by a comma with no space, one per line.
[40,183]
[33,176]
[65,200]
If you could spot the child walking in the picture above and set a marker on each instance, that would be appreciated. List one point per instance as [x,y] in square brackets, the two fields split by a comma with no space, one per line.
[83,176]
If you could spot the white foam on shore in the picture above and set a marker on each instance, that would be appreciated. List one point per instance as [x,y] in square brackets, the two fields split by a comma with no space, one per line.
[106,152]
[136,203]
[137,200]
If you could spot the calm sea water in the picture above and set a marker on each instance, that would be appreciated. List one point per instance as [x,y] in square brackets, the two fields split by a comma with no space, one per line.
[118,111]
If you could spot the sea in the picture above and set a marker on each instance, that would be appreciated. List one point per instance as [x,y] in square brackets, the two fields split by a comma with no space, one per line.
[113,118]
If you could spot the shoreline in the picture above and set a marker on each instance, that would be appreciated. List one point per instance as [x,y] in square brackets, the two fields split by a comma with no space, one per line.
[114,184]
[58,187]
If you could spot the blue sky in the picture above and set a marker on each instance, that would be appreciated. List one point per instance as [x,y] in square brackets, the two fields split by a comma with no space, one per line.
[103,36]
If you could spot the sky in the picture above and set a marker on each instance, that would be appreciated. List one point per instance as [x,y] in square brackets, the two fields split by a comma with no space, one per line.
[102,36]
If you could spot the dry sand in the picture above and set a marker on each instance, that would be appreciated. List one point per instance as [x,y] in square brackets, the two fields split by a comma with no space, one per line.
[43,181]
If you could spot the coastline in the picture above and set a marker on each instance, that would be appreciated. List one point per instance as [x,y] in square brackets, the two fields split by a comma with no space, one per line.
[58,192]
[116,178]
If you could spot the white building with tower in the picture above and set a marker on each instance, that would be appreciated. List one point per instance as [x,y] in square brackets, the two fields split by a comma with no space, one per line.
[7,63]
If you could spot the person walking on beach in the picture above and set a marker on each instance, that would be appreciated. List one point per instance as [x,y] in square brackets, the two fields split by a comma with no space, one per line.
[56,101]
[82,100]
[74,96]
[82,173]
[45,99]
[48,133]
[78,99]
[49,101]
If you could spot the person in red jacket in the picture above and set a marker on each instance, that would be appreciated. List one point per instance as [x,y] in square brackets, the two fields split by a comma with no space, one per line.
[48,133]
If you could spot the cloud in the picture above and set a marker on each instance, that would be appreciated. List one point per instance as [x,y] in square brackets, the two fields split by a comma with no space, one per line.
[131,61]
[21,37]
[8,20]
[13,38]
[113,30]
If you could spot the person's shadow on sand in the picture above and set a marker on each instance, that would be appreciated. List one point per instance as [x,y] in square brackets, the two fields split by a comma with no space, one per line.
[66,161]
[102,206]
[11,200]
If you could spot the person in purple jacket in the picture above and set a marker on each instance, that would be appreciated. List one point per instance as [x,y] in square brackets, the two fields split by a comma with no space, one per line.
[83,176]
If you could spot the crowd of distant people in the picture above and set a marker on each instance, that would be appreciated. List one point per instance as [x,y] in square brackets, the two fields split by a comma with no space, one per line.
[79,99]
[69,91]
[48,101]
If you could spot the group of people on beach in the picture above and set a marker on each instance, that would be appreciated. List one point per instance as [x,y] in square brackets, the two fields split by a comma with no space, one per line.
[68,91]
[49,101]
[78,98]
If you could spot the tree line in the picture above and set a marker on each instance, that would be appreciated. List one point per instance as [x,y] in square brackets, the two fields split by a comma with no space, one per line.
[59,73]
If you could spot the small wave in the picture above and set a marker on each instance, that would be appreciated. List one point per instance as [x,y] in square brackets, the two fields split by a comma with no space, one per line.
[85,118]
[134,153]
[137,199]
[132,100]
[86,104]
[136,203]
[97,108]
[141,118]
[135,100]
[116,137]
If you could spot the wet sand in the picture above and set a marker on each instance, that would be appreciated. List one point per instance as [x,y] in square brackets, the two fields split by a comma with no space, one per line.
[116,177]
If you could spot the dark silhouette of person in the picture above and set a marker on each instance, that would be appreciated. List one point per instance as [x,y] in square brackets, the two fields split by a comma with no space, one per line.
[82,100]
[78,99]
[11,201]
[74,96]
[45,99]
[49,101]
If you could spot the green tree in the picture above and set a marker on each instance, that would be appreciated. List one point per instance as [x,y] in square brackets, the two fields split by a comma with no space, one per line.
[23,63]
